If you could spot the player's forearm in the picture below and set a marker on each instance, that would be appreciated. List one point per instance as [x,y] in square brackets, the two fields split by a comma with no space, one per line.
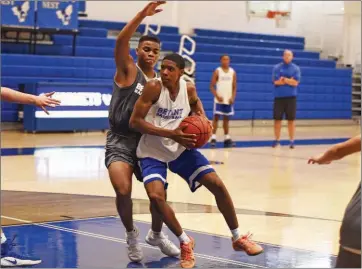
[127,32]
[278,82]
[10,95]
[332,154]
[145,127]
[198,107]
[329,156]
[213,90]
[342,150]
[234,93]
[292,82]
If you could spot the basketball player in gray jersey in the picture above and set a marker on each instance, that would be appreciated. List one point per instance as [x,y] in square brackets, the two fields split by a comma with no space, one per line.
[349,255]
[121,145]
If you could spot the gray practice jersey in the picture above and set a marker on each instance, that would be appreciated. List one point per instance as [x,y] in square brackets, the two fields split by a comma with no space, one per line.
[122,104]
[350,232]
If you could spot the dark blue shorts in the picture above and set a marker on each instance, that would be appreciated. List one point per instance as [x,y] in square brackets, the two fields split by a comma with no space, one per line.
[191,165]
[224,110]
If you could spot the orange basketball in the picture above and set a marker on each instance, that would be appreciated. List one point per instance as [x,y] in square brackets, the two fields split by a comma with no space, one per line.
[199,126]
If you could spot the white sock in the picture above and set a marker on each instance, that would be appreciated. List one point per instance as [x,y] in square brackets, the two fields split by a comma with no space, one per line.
[132,232]
[156,234]
[235,233]
[3,238]
[131,237]
[227,137]
[184,238]
[213,136]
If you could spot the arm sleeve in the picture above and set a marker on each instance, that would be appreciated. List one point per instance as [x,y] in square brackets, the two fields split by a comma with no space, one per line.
[297,75]
[276,73]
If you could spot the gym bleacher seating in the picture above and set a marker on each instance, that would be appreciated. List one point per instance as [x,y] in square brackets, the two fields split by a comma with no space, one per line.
[324,93]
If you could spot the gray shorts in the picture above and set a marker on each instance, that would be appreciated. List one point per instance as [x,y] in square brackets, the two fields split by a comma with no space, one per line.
[346,259]
[122,149]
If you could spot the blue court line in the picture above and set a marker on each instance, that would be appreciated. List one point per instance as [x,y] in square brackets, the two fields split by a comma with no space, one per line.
[213,250]
[137,221]
[268,143]
[153,257]
[239,144]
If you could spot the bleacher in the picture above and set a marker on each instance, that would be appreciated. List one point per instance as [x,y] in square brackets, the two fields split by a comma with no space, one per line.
[324,93]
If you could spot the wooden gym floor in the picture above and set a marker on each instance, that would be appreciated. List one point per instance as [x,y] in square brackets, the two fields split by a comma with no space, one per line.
[57,198]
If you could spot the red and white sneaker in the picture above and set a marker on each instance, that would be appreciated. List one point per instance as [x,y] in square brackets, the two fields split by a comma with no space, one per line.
[244,243]
[187,259]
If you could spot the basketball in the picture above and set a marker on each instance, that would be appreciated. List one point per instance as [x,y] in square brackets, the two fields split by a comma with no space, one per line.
[199,126]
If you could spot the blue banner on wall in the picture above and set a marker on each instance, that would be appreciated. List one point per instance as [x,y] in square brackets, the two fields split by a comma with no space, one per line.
[83,107]
[77,101]
[58,14]
[17,13]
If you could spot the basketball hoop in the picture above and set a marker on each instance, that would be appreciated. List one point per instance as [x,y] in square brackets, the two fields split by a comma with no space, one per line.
[279,16]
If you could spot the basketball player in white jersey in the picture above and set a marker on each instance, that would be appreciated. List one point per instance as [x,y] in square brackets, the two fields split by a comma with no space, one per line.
[224,78]
[9,258]
[163,105]
[121,145]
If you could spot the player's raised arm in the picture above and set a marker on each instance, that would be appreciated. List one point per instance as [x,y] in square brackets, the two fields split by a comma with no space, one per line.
[123,59]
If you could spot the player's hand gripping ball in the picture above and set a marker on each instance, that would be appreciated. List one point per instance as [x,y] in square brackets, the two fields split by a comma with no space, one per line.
[200,126]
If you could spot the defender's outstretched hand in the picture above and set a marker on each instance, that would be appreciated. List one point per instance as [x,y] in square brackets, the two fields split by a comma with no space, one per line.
[152,8]
[318,160]
[46,100]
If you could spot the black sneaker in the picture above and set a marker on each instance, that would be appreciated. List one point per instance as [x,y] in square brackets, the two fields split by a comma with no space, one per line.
[291,145]
[213,143]
[275,143]
[228,143]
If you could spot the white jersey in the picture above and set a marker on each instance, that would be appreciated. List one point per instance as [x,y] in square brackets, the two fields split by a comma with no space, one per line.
[166,114]
[224,85]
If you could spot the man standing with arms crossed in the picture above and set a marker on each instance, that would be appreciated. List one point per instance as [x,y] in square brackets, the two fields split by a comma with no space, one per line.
[286,77]
[121,145]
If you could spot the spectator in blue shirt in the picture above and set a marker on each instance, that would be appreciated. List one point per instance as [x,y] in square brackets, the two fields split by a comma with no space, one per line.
[286,77]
